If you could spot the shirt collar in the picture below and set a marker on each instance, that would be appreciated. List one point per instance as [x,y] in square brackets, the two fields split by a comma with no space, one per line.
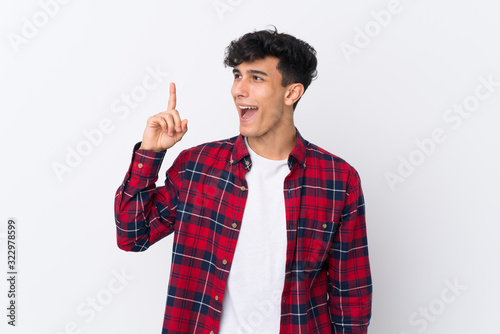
[240,153]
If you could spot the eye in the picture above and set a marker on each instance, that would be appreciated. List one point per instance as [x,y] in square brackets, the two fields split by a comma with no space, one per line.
[257,78]
[237,76]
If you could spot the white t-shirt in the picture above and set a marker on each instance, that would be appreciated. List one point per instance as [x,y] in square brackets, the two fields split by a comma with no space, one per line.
[252,299]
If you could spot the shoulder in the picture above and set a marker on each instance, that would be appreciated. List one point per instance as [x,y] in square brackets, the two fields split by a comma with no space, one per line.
[215,149]
[218,145]
[322,157]
[331,166]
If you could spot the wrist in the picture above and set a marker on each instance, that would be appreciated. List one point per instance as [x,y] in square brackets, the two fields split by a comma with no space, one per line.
[148,148]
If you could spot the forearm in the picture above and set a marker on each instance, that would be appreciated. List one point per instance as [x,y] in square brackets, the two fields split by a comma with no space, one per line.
[144,213]
[349,268]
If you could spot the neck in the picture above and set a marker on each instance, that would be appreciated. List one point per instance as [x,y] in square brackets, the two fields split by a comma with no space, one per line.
[275,146]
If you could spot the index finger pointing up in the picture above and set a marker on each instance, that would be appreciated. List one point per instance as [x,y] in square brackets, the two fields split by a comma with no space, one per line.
[172,100]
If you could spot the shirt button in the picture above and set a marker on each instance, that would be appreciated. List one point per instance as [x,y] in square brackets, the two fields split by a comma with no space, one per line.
[243,188]
[216,297]
[231,162]
[247,162]
[224,261]
[212,332]
[234,225]
[284,300]
[140,165]
[325,226]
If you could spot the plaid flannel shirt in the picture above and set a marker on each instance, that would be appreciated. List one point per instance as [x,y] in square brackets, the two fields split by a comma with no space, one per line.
[327,285]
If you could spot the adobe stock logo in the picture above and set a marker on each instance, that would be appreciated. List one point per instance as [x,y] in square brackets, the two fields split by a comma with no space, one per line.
[421,320]
[223,6]
[121,107]
[454,117]
[31,26]
[372,29]
[89,309]
[262,310]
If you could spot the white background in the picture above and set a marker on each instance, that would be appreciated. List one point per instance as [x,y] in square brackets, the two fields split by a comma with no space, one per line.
[437,228]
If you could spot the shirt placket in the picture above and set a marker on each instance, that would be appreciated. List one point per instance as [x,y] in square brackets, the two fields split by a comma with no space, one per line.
[239,195]
[292,191]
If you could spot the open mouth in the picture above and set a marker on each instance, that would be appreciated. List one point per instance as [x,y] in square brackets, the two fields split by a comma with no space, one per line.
[248,111]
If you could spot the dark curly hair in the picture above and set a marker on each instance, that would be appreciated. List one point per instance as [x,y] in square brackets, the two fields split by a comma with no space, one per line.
[297,59]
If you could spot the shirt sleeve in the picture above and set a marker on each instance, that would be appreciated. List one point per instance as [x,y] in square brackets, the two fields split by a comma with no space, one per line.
[145,213]
[349,277]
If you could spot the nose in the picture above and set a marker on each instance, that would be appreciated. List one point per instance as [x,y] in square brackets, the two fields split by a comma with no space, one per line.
[240,88]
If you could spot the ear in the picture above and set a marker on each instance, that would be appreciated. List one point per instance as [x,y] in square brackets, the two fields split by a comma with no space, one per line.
[293,93]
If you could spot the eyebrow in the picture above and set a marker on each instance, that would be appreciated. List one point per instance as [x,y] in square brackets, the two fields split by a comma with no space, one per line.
[235,70]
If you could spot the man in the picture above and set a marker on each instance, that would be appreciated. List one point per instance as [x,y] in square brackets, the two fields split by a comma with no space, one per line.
[270,233]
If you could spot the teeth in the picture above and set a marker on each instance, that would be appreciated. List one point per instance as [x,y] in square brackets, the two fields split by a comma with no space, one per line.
[244,110]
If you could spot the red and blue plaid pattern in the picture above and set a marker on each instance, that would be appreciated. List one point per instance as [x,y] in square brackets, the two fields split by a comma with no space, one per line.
[328,286]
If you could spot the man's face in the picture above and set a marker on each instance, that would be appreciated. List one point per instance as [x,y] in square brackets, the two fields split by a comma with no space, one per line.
[259,98]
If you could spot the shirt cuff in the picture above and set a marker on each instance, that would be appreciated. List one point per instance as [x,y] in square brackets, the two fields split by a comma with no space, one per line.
[145,164]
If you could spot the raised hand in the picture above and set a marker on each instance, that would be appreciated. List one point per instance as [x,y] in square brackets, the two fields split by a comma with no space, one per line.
[165,129]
